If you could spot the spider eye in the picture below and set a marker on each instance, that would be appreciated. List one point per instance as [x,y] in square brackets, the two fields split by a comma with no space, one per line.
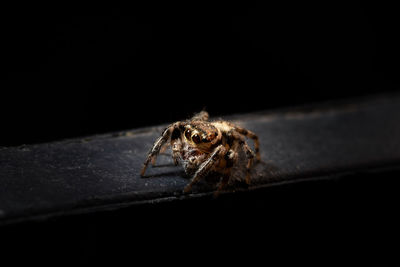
[188,133]
[196,138]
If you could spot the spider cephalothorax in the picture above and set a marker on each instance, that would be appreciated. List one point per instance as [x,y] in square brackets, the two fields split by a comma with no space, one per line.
[202,146]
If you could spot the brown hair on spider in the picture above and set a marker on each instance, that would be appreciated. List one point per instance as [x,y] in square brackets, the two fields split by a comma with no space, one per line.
[202,146]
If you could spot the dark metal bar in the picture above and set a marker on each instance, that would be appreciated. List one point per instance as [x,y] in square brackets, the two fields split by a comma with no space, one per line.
[102,172]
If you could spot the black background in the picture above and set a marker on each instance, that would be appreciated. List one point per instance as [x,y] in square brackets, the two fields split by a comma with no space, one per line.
[80,70]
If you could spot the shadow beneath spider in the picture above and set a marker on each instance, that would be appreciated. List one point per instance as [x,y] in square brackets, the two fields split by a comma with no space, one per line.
[165,174]
[164,165]
[267,166]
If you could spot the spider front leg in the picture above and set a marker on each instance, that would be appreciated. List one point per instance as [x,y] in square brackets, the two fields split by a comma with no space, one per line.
[172,131]
[162,151]
[176,146]
[206,166]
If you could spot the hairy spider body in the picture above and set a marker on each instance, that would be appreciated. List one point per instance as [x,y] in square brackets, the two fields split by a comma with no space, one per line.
[203,146]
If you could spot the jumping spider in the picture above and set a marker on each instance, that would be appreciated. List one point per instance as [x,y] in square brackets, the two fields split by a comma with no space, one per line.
[202,146]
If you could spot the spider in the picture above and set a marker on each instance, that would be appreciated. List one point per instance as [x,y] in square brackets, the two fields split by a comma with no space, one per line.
[202,146]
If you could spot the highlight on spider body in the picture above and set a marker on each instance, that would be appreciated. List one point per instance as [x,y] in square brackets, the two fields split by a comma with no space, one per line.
[202,146]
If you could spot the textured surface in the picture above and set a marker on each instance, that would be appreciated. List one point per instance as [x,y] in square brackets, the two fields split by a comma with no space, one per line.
[102,172]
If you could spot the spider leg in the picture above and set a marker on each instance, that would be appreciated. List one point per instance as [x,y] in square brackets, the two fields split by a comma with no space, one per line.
[176,148]
[230,157]
[164,147]
[162,150]
[248,170]
[249,153]
[201,116]
[252,136]
[172,131]
[222,184]
[250,157]
[206,166]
